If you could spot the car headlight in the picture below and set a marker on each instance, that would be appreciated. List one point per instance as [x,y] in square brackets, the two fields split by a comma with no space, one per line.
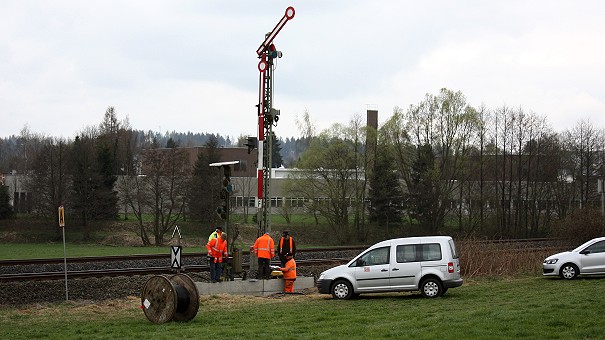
[551,261]
[321,276]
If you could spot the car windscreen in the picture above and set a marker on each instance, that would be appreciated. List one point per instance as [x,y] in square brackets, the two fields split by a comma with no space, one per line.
[582,246]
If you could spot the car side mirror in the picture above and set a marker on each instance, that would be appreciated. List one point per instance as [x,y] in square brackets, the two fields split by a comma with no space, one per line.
[585,251]
[360,263]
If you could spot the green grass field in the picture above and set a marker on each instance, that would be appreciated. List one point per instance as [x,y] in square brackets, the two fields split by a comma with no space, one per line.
[526,307]
[12,251]
[503,297]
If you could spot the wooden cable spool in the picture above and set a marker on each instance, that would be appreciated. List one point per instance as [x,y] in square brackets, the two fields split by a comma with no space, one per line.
[164,299]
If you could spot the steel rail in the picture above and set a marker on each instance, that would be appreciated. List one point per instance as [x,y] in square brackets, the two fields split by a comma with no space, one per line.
[113,258]
[73,274]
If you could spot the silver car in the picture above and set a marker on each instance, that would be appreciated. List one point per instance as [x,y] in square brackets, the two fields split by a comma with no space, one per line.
[587,259]
[429,264]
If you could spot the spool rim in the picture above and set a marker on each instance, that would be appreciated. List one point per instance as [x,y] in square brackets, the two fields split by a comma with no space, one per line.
[159,299]
[194,297]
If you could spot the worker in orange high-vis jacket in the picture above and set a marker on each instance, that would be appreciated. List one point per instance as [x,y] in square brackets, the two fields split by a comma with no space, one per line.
[264,248]
[286,245]
[217,251]
[289,271]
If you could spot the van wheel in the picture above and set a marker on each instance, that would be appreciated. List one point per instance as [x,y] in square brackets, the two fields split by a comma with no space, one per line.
[431,288]
[568,271]
[342,289]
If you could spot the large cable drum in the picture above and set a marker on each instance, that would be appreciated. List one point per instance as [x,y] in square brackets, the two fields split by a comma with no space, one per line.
[186,312]
[170,298]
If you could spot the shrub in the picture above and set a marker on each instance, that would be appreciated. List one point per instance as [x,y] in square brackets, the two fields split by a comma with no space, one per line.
[580,226]
[485,258]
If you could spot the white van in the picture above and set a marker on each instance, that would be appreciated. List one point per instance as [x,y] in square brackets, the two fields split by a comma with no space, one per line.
[429,264]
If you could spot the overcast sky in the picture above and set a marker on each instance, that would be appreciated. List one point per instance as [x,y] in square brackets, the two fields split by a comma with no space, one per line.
[192,65]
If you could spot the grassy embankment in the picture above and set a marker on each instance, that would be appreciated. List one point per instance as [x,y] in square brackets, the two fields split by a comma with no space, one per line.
[504,297]
[524,307]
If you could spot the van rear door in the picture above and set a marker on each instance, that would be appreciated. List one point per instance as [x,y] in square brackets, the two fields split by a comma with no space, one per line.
[455,259]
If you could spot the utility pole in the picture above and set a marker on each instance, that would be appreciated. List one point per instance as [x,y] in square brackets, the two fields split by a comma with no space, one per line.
[267,118]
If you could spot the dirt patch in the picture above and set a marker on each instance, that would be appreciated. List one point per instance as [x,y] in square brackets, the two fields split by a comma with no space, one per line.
[236,301]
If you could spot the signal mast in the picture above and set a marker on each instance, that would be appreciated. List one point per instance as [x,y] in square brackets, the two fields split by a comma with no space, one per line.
[267,118]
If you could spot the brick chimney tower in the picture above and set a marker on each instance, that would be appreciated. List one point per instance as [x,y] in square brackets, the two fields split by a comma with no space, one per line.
[372,137]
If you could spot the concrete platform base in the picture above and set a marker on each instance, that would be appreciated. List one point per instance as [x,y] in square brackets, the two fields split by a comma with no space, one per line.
[252,287]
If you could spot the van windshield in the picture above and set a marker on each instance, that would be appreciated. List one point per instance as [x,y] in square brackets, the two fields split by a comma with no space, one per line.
[453,249]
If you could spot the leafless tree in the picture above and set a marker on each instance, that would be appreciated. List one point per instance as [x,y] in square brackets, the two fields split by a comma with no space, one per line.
[160,192]
[330,178]
[585,144]
[444,123]
[49,180]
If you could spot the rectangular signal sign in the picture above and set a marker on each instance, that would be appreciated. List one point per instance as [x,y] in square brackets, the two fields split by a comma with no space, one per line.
[61,217]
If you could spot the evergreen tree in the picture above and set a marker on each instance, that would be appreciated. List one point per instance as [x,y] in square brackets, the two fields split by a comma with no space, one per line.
[171,144]
[85,179]
[106,196]
[385,193]
[204,195]
[423,196]
[98,155]
[6,210]
[276,159]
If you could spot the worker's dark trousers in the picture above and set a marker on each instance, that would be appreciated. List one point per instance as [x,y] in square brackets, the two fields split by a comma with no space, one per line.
[264,269]
[216,269]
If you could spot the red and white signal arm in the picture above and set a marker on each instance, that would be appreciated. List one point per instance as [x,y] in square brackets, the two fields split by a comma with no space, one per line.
[61,216]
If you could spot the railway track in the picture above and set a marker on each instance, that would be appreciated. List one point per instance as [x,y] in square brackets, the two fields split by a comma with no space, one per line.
[113,277]
[29,269]
[79,274]
[112,266]
[115,258]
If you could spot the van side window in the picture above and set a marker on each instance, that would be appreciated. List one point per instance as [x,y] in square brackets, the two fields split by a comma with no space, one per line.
[406,253]
[431,252]
[373,257]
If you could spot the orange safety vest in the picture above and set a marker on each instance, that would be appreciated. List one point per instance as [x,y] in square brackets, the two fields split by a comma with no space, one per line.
[217,248]
[289,270]
[264,247]
[281,245]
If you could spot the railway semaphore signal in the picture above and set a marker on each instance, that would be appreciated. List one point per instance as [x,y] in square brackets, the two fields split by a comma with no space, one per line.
[267,118]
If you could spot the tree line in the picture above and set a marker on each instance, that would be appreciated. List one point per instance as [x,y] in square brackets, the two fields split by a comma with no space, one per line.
[98,173]
[440,166]
[443,166]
